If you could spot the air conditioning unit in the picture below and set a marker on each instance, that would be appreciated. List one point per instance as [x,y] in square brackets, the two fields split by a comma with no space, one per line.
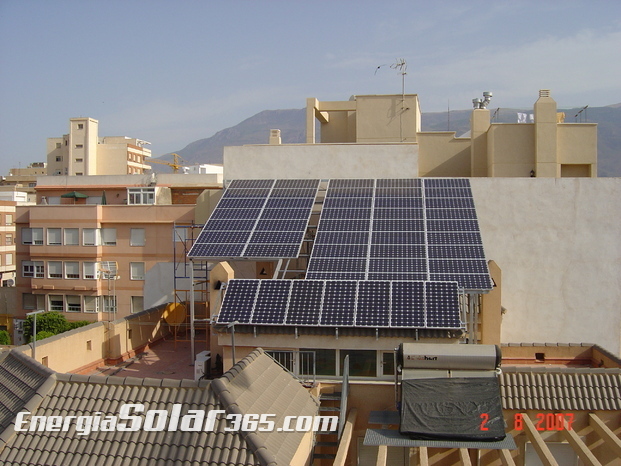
[202,365]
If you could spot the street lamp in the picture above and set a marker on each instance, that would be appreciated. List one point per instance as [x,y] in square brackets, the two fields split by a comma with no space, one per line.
[34,331]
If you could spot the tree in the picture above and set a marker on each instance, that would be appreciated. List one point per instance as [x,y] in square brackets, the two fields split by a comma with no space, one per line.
[53,322]
[5,339]
[44,334]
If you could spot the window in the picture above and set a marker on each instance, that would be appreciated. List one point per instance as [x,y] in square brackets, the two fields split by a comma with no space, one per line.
[72,270]
[32,236]
[91,304]
[362,363]
[79,174]
[33,301]
[8,258]
[54,269]
[136,270]
[74,303]
[109,303]
[8,239]
[8,219]
[57,303]
[136,237]
[32,269]
[137,196]
[80,125]
[59,158]
[108,236]
[137,304]
[79,160]
[90,270]
[72,236]
[79,146]
[325,362]
[107,270]
[58,146]
[388,363]
[54,236]
[91,237]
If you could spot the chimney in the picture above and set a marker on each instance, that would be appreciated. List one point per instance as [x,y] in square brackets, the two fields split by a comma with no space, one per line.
[275,136]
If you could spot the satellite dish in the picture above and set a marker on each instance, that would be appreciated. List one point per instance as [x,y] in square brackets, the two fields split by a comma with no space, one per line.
[10,282]
[174,314]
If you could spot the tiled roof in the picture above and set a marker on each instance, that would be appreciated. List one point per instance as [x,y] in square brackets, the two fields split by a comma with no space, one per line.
[550,388]
[255,385]
[20,378]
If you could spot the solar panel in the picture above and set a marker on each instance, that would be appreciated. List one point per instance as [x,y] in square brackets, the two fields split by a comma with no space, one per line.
[293,184]
[239,301]
[350,214]
[398,192]
[244,192]
[393,214]
[342,303]
[373,305]
[335,275]
[288,214]
[442,304]
[339,304]
[305,302]
[241,203]
[340,250]
[408,304]
[398,265]
[353,183]
[253,184]
[344,225]
[337,265]
[269,216]
[271,302]
[236,214]
[348,203]
[405,251]
[349,237]
[407,218]
[399,183]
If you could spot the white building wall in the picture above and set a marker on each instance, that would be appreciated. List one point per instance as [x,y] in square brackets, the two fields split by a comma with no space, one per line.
[321,161]
[558,243]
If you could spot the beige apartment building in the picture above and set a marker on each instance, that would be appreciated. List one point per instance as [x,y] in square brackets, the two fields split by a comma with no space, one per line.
[102,247]
[83,152]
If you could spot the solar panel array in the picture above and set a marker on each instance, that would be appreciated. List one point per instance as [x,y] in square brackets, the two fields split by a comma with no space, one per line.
[342,303]
[401,229]
[258,219]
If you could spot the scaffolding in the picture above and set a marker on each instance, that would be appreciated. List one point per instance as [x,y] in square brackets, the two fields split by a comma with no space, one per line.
[191,286]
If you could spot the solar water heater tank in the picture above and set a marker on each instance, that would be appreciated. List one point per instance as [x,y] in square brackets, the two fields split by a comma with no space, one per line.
[448,357]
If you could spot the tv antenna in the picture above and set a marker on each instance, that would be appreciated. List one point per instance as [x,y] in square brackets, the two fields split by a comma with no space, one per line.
[401,66]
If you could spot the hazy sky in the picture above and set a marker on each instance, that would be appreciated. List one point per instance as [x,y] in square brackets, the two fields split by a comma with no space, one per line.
[172,72]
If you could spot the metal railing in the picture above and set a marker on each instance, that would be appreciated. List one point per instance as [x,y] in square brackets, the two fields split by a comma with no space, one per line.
[300,364]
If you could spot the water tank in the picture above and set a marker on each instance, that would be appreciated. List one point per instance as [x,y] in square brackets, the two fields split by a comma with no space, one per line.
[440,356]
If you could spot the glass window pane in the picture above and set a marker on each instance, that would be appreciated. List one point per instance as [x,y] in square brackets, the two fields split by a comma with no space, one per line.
[388,363]
[72,270]
[136,237]
[54,269]
[54,236]
[72,236]
[325,362]
[362,363]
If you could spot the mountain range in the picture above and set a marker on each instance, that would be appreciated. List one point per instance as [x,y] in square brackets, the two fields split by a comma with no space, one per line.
[292,123]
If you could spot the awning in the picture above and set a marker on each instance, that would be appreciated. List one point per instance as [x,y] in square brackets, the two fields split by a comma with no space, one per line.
[74,195]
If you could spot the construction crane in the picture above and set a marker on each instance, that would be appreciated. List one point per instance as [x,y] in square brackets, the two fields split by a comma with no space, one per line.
[175,164]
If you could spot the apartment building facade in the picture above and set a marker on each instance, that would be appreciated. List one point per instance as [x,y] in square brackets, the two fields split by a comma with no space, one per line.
[109,248]
[82,152]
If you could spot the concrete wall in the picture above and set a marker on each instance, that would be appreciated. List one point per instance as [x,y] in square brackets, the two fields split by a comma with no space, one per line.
[83,349]
[442,154]
[557,242]
[321,161]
